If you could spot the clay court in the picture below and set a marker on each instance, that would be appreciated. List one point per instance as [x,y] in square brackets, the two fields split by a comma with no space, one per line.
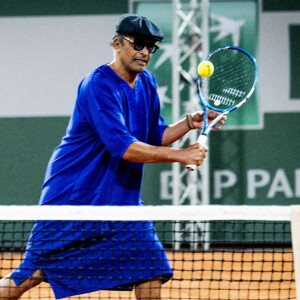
[211,275]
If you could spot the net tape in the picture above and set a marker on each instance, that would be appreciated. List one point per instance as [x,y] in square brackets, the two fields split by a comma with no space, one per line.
[140,213]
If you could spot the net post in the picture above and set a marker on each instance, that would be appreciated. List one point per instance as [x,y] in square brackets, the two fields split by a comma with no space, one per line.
[295,227]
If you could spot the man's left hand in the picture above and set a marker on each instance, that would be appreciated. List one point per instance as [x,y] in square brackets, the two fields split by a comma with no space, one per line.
[197,118]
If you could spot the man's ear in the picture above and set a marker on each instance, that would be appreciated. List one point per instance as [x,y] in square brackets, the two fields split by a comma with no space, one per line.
[117,44]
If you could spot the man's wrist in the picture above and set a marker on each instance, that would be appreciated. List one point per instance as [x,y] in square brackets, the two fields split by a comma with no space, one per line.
[189,121]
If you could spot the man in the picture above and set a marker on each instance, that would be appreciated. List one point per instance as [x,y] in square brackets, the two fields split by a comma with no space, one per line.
[115,127]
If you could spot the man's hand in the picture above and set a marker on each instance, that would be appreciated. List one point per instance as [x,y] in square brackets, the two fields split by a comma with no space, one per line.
[197,118]
[193,155]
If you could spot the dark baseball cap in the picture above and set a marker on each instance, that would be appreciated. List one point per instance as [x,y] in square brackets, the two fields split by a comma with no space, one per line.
[138,26]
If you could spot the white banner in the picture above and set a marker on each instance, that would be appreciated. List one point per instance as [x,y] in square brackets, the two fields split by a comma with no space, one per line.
[274,61]
[43,60]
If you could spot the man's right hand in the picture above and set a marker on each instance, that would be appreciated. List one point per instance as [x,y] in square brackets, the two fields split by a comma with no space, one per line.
[194,154]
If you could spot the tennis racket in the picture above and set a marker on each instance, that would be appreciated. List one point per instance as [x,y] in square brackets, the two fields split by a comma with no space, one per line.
[228,88]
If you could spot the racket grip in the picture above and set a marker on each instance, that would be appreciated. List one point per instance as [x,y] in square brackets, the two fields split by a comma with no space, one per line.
[202,139]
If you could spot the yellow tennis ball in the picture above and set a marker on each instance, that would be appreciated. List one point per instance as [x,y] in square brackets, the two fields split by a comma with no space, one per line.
[205,68]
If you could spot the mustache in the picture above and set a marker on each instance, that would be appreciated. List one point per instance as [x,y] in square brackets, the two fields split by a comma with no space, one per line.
[141,56]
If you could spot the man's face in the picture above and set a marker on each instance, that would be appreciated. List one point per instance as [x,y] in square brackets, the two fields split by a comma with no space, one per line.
[134,54]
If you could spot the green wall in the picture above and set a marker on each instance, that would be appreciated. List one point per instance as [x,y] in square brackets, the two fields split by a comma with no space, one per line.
[279,5]
[294,37]
[265,163]
[61,7]
[26,146]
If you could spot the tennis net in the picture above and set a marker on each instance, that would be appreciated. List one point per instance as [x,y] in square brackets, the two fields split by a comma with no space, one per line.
[215,252]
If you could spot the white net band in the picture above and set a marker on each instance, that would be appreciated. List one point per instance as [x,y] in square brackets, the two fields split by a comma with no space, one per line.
[140,213]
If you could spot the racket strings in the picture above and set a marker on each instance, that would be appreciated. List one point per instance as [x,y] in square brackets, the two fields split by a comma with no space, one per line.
[231,81]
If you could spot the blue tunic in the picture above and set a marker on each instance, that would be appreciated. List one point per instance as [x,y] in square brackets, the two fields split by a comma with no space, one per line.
[87,169]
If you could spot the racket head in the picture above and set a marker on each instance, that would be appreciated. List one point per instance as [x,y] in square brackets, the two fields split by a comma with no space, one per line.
[232,82]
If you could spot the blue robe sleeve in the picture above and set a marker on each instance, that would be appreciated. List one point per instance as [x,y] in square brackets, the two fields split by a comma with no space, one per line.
[104,112]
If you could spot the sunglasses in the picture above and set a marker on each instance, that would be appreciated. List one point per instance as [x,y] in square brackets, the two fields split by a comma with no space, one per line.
[139,45]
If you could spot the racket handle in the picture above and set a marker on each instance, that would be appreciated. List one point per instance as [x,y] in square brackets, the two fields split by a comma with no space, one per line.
[202,141]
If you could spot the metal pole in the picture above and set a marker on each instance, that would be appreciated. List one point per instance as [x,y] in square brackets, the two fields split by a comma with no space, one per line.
[176,115]
[205,166]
